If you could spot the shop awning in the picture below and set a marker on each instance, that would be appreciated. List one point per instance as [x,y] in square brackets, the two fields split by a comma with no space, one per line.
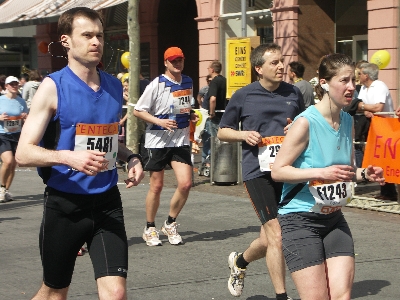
[15,13]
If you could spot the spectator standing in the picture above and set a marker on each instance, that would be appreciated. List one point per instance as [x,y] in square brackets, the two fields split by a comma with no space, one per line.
[202,96]
[3,90]
[75,109]
[13,111]
[216,101]
[376,93]
[31,87]
[262,108]
[22,80]
[165,106]
[296,72]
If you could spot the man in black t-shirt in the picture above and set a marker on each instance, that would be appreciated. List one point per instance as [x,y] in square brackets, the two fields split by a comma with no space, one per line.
[217,101]
[256,115]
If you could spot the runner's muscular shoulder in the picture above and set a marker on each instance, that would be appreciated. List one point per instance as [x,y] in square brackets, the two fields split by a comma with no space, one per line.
[43,108]
[45,99]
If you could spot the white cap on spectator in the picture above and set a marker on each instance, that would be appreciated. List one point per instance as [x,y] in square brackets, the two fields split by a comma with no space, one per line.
[10,79]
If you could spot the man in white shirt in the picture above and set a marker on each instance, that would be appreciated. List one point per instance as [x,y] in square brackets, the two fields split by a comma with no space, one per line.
[376,93]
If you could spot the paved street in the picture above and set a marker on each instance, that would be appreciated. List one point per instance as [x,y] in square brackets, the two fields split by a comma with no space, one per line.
[212,225]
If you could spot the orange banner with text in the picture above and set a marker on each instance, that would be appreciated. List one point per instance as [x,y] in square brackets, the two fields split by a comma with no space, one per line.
[383,147]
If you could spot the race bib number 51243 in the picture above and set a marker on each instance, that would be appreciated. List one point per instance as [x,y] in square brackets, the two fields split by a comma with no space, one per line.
[100,137]
[329,195]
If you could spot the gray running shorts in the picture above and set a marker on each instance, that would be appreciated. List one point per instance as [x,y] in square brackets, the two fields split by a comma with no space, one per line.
[308,239]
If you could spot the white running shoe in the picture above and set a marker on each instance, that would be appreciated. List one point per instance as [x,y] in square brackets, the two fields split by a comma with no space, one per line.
[3,198]
[151,236]
[9,196]
[236,279]
[173,236]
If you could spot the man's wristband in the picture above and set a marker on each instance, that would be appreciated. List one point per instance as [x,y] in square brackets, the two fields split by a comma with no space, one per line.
[363,175]
[133,155]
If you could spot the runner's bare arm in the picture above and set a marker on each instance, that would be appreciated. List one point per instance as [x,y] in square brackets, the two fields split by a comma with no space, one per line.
[145,116]
[231,135]
[43,108]
[135,169]
[294,144]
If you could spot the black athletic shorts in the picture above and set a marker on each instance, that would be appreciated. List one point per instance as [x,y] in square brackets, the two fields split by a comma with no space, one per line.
[308,239]
[156,159]
[265,195]
[9,142]
[70,220]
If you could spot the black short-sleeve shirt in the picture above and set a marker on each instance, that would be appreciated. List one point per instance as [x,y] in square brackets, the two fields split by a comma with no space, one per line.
[263,111]
[218,89]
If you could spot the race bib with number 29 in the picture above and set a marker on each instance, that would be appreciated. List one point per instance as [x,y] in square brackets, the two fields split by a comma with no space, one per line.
[267,150]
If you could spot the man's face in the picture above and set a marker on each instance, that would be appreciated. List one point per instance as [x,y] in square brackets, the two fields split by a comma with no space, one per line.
[12,87]
[86,41]
[175,66]
[363,77]
[22,81]
[291,74]
[272,69]
[210,70]
[125,86]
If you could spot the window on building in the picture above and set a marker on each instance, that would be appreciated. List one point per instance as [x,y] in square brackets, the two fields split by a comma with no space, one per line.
[258,20]
[351,18]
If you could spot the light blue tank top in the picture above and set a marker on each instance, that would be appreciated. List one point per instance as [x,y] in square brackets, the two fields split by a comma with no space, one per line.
[326,147]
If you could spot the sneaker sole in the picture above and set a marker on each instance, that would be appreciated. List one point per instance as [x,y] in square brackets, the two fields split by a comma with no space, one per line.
[149,243]
[166,233]
[231,259]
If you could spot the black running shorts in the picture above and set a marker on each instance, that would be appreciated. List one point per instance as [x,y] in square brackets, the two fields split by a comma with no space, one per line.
[9,142]
[308,239]
[156,159]
[70,220]
[265,195]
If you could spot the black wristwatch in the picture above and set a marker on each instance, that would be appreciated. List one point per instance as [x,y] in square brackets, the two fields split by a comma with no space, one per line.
[363,175]
[133,155]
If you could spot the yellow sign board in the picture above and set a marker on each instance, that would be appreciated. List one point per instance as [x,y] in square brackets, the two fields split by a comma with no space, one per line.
[238,71]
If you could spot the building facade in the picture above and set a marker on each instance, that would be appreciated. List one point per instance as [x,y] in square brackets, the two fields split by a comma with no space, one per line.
[306,30]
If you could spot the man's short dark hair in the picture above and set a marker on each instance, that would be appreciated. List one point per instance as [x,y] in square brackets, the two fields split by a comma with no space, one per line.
[257,55]
[297,68]
[216,66]
[67,18]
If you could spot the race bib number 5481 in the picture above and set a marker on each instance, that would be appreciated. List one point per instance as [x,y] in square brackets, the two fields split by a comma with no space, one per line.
[100,137]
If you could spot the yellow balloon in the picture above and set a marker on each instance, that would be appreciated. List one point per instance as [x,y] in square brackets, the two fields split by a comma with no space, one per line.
[381,58]
[124,77]
[125,59]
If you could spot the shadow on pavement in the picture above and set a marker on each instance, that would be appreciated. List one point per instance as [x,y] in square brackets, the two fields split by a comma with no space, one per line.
[366,288]
[192,236]
[22,201]
[9,219]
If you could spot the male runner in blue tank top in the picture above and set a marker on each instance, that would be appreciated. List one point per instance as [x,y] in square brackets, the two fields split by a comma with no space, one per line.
[72,136]
[263,109]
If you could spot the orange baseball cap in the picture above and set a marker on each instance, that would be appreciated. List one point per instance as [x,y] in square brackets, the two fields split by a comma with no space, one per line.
[173,53]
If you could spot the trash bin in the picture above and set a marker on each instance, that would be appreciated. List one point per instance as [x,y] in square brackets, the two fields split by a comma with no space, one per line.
[224,162]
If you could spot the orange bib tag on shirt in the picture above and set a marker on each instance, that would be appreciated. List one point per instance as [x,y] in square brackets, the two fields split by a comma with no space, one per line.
[329,195]
[267,150]
[100,137]
[13,124]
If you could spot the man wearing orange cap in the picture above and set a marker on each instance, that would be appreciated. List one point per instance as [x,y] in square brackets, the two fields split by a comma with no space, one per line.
[165,106]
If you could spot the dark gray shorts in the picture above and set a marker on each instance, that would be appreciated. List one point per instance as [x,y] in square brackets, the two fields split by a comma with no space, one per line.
[9,142]
[264,194]
[156,159]
[308,239]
